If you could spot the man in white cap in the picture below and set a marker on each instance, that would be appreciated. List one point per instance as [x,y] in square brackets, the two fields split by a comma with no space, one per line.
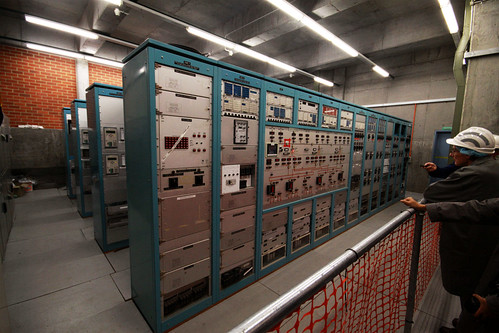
[465,248]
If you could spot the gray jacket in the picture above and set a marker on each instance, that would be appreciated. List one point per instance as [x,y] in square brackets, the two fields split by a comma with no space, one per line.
[466,248]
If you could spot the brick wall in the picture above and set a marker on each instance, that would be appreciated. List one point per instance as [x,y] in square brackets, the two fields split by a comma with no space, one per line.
[104,74]
[34,86]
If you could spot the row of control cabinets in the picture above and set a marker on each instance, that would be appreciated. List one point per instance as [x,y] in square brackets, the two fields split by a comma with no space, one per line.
[240,175]
[95,136]
[7,205]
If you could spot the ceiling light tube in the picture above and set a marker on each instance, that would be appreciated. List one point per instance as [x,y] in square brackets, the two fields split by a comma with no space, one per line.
[104,61]
[323,81]
[317,28]
[251,53]
[344,47]
[314,26]
[115,2]
[54,51]
[449,16]
[238,48]
[288,9]
[211,37]
[380,71]
[60,27]
[282,65]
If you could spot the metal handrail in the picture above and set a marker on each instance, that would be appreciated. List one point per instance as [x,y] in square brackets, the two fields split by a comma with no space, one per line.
[266,319]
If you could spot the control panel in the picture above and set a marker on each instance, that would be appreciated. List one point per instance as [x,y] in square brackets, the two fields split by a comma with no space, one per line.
[279,108]
[301,163]
[329,116]
[112,164]
[244,174]
[307,113]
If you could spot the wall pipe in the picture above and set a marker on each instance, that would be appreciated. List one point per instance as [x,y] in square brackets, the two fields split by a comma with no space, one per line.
[459,74]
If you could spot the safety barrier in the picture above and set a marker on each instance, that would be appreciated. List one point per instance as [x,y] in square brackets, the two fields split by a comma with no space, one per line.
[373,287]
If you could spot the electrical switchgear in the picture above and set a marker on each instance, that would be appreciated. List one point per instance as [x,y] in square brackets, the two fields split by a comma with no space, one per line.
[80,164]
[6,196]
[232,174]
[70,178]
[107,152]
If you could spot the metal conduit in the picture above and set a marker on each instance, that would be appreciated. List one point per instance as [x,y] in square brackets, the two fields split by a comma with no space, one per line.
[266,319]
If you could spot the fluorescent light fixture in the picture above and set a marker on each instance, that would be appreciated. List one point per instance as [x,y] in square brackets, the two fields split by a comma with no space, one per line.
[323,81]
[282,65]
[104,61]
[115,2]
[449,16]
[264,58]
[54,51]
[380,71]
[230,46]
[211,37]
[317,28]
[60,27]
[75,55]
[314,26]
[288,9]
[344,47]
[251,53]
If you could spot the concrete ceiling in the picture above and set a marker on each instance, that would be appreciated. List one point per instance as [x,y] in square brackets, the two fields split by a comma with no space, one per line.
[379,29]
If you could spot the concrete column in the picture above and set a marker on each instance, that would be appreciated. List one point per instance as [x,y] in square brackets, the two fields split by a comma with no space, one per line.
[82,78]
[481,100]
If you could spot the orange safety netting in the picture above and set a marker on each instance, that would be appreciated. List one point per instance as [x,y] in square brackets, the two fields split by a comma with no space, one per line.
[371,294]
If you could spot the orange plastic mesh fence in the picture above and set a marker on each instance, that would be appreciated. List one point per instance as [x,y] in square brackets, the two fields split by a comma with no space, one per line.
[371,294]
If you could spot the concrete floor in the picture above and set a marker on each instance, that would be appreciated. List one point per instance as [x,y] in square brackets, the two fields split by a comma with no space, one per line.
[57,279]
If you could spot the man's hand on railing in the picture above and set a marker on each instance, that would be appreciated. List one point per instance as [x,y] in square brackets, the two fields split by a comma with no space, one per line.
[411,202]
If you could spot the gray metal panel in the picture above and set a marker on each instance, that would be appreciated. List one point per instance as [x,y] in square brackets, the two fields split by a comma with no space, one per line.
[183,256]
[323,203]
[235,238]
[237,199]
[322,218]
[177,80]
[183,105]
[113,111]
[115,189]
[273,240]
[185,275]
[184,215]
[239,154]
[237,219]
[237,254]
[301,210]
[274,219]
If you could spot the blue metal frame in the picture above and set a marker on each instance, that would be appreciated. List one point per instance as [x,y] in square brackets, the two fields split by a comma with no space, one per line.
[77,153]
[140,119]
[98,203]
[66,115]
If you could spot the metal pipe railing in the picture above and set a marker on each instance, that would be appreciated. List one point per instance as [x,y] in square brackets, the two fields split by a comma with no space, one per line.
[413,277]
[267,318]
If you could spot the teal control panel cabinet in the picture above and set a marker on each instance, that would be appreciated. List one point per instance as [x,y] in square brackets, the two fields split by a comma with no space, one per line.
[80,150]
[70,179]
[108,165]
[232,174]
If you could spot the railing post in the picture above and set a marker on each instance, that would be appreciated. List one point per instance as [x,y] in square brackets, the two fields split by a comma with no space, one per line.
[413,277]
